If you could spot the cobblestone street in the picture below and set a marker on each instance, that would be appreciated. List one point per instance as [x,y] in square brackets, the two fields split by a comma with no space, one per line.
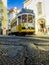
[23,51]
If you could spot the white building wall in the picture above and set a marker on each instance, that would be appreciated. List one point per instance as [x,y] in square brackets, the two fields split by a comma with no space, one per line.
[47,11]
[32,4]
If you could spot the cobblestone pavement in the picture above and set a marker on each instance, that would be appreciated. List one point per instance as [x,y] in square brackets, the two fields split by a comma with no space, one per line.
[23,51]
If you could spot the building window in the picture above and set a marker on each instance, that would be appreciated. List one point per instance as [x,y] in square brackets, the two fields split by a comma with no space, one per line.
[0,23]
[39,8]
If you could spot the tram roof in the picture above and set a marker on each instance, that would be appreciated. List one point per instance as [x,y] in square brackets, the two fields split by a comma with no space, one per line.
[26,11]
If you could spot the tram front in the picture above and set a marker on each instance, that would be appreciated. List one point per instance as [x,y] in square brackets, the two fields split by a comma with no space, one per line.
[26,19]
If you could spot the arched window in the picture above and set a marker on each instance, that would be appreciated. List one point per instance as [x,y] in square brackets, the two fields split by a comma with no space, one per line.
[39,8]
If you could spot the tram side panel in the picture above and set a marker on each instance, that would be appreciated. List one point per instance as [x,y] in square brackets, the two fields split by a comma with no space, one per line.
[14,27]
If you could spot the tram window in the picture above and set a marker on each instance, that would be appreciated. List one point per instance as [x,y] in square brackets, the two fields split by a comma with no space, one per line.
[24,18]
[14,24]
[19,19]
[30,18]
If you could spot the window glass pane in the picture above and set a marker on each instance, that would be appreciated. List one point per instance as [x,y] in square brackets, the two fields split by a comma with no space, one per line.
[39,8]
[19,19]
[30,18]
[24,18]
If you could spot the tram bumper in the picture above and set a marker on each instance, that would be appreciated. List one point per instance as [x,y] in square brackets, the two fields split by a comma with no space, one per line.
[27,30]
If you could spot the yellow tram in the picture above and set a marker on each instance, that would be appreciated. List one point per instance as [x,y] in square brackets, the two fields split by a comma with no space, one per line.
[24,23]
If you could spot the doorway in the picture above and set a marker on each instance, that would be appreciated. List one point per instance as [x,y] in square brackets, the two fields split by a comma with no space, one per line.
[41,24]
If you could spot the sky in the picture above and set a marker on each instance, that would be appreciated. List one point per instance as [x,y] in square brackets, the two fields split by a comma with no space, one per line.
[15,3]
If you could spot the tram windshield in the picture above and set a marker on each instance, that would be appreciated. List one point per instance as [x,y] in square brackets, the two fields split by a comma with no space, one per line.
[30,18]
[27,18]
[24,18]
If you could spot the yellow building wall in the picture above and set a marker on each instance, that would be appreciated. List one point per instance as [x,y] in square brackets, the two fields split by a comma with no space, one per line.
[4,18]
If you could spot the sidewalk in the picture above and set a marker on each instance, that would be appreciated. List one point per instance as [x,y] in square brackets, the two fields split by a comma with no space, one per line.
[42,35]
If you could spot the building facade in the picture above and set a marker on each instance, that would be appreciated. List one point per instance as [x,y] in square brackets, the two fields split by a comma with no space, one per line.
[3,17]
[41,10]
